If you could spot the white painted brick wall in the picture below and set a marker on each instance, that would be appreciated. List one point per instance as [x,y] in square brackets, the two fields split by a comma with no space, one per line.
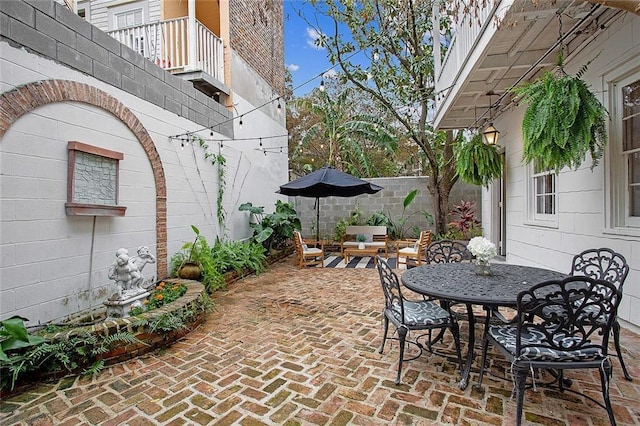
[44,254]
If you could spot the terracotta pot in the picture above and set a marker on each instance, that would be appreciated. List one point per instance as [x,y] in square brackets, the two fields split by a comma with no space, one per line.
[190,271]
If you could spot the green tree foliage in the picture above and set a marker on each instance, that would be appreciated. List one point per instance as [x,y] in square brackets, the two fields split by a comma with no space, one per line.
[334,132]
[384,48]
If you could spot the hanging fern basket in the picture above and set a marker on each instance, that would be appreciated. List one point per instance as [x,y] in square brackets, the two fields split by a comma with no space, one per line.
[478,163]
[563,121]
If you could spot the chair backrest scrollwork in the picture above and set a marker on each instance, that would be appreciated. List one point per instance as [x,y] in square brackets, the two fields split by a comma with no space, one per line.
[447,251]
[579,333]
[601,264]
[391,288]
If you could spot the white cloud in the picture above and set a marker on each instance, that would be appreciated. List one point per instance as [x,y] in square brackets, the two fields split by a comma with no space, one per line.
[332,73]
[312,36]
[293,67]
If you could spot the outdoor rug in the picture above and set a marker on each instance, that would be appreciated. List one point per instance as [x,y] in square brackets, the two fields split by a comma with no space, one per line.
[333,261]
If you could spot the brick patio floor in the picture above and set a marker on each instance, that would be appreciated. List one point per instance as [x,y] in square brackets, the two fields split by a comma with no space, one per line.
[299,347]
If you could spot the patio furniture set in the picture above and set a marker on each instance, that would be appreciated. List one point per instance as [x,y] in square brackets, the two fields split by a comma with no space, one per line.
[310,252]
[561,321]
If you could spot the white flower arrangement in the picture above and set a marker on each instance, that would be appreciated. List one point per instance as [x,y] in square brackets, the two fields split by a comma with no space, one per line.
[482,249]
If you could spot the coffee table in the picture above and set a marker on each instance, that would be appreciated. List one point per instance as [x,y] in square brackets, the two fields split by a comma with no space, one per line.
[356,252]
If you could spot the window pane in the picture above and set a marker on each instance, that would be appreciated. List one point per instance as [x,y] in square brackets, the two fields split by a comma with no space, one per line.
[631,99]
[549,205]
[631,132]
[634,201]
[548,184]
[631,116]
[539,205]
[634,167]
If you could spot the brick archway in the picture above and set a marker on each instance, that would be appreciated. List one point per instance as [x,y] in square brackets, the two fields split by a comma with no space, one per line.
[24,99]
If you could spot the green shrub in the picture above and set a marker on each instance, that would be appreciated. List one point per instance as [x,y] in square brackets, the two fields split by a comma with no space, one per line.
[224,256]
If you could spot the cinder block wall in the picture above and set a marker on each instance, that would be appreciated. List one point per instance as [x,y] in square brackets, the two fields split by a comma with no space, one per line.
[389,200]
[53,31]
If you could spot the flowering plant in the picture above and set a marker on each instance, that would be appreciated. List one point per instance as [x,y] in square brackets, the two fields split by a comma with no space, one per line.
[482,249]
[164,293]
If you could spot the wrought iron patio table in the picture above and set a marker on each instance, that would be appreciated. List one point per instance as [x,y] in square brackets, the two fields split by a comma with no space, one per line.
[458,283]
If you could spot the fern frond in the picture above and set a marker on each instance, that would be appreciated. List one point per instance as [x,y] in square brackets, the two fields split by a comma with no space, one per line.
[96,367]
[563,121]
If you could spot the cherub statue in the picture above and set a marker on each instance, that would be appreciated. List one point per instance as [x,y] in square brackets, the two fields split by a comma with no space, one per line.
[125,273]
[144,257]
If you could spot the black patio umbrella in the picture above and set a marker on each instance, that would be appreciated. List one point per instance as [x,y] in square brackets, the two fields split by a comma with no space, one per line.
[327,182]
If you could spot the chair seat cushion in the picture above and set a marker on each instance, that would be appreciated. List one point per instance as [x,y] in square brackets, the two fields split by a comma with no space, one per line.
[312,251]
[408,250]
[366,244]
[420,313]
[505,335]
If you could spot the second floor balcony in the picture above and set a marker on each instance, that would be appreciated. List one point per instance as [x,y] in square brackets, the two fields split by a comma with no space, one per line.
[175,46]
[507,43]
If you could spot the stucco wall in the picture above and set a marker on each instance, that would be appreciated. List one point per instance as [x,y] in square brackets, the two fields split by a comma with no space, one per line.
[389,200]
[583,194]
[45,255]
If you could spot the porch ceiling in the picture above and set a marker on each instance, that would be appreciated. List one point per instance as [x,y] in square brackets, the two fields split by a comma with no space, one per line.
[517,51]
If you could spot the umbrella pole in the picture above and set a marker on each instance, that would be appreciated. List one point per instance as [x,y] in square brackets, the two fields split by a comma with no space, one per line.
[317,219]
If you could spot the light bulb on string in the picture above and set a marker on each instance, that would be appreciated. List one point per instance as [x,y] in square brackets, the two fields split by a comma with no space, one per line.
[279,107]
[322,85]
[260,142]
[240,123]
[182,144]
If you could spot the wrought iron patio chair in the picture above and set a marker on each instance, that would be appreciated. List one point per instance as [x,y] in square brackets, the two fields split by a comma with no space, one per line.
[306,255]
[414,255]
[542,339]
[407,315]
[604,264]
[447,251]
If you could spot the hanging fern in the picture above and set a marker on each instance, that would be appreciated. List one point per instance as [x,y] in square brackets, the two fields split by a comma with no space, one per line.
[478,163]
[563,121]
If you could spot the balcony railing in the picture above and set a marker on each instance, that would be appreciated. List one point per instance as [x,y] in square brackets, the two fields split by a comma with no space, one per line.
[463,42]
[166,44]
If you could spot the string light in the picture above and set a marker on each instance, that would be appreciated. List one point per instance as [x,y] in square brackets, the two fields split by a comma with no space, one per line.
[279,107]
[322,88]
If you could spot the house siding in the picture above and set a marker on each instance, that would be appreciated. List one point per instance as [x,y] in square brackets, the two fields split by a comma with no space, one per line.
[582,194]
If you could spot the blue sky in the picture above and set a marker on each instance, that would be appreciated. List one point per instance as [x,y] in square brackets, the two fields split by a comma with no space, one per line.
[304,60]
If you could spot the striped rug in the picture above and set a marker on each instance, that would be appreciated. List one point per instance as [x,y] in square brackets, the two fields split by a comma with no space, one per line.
[333,261]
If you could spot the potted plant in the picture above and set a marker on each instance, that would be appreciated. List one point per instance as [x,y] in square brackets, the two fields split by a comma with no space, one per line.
[189,268]
[360,239]
[563,121]
[478,163]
